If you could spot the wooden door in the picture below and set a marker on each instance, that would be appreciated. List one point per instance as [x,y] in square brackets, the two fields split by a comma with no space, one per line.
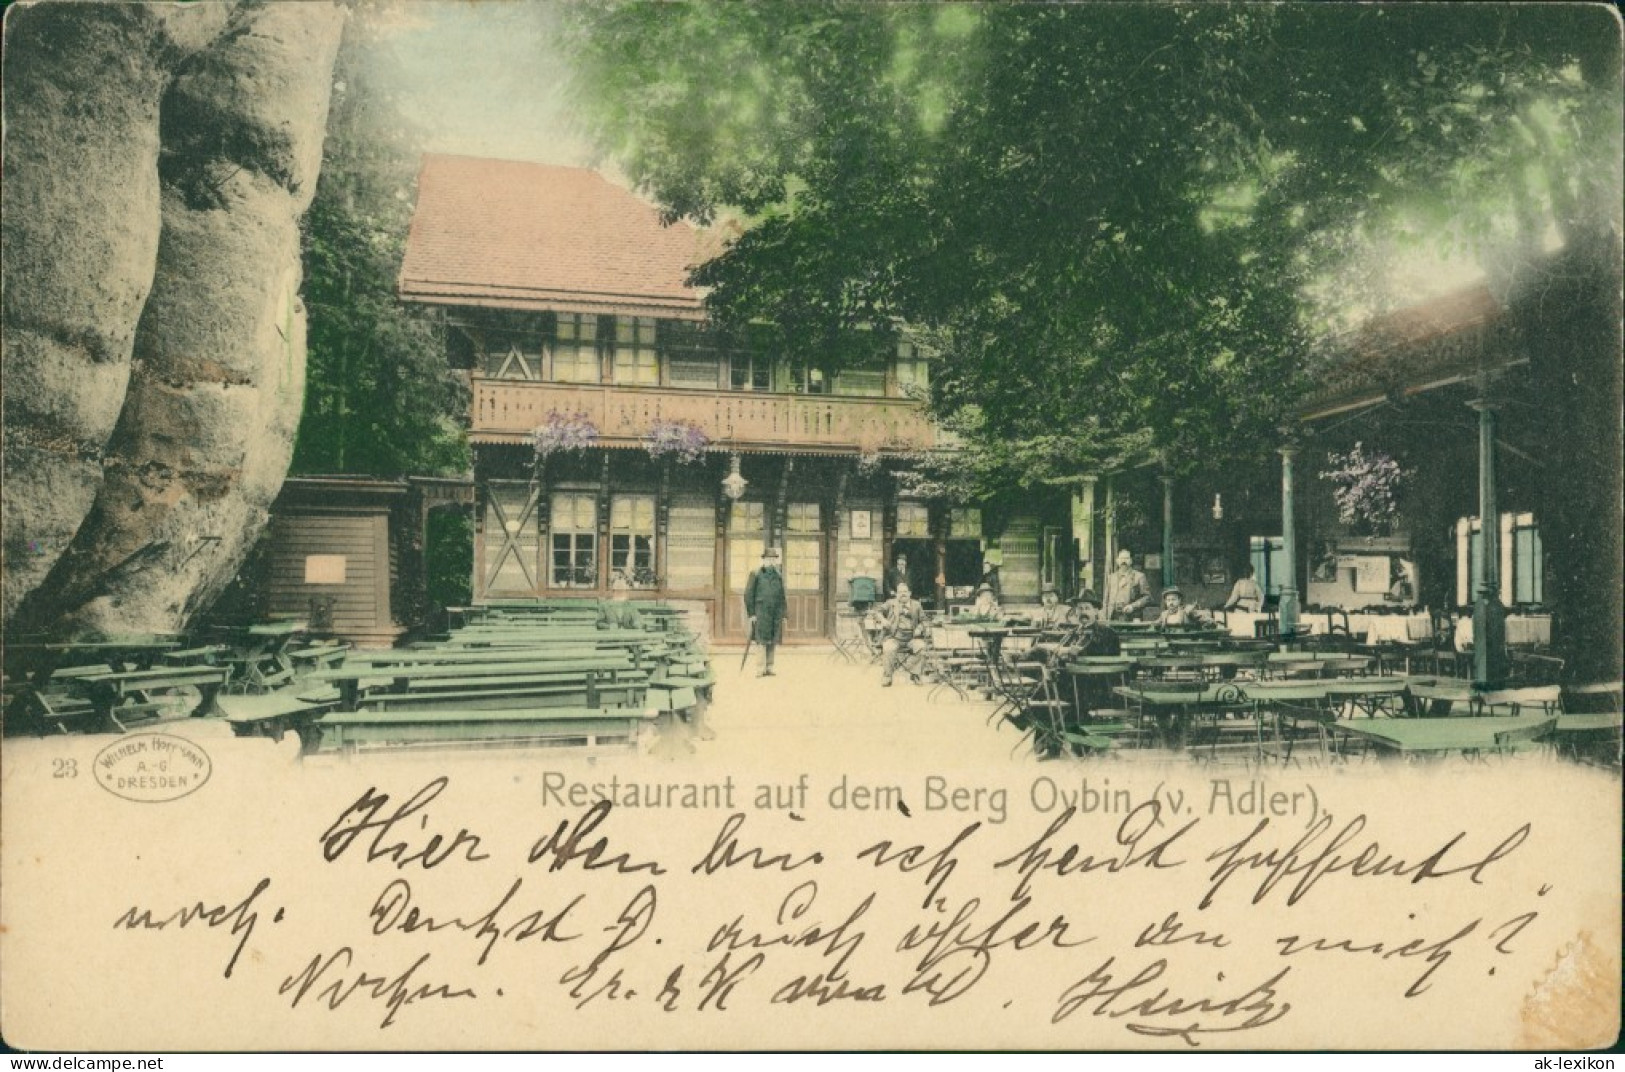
[511,561]
[805,582]
[747,531]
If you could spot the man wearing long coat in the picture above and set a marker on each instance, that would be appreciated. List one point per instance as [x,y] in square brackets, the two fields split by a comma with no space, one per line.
[764,606]
[1127,592]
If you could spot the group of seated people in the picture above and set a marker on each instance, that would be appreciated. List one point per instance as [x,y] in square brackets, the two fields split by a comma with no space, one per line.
[899,624]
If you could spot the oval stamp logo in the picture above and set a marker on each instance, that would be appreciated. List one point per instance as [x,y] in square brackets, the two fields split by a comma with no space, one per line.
[151,768]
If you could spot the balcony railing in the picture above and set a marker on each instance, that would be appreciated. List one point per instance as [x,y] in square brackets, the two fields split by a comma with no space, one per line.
[505,411]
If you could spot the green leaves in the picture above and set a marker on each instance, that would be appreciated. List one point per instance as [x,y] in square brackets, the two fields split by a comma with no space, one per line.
[1127,226]
[379,398]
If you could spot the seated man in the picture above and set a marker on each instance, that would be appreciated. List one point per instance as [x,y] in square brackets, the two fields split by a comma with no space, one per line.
[1051,614]
[1085,609]
[618,612]
[903,619]
[1177,614]
[986,605]
[1245,594]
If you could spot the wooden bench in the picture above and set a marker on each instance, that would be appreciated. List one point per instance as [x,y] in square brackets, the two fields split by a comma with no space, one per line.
[318,656]
[274,714]
[493,683]
[51,710]
[592,728]
[122,697]
[204,656]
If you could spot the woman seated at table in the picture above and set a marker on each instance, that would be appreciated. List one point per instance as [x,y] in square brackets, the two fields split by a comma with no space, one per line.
[1245,595]
[1401,593]
[987,604]
[1177,614]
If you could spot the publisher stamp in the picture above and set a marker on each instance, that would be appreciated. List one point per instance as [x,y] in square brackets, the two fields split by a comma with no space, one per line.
[152,768]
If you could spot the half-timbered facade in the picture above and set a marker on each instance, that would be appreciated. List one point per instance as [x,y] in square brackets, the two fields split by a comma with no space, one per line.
[566,300]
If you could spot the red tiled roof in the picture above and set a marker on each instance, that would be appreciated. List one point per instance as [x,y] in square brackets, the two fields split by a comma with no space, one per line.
[522,235]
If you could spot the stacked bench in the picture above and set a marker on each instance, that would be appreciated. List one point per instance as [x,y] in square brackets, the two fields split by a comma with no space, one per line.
[516,675]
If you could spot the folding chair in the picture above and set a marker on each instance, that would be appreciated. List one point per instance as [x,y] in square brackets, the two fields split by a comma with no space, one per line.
[851,642]
[1524,738]
[1547,698]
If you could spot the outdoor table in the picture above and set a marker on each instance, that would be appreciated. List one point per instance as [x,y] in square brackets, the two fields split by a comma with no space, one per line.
[39,660]
[1437,736]
[1322,663]
[261,652]
[1440,694]
[1231,661]
[1174,709]
[1367,694]
[992,638]
[665,619]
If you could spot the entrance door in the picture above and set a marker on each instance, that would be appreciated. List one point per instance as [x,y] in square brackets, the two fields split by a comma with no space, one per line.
[747,529]
[804,581]
[511,563]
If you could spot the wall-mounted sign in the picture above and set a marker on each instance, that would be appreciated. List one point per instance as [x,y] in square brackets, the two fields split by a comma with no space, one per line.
[861,521]
[324,569]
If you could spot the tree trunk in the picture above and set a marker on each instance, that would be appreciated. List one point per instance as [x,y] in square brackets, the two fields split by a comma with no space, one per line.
[1570,318]
[230,157]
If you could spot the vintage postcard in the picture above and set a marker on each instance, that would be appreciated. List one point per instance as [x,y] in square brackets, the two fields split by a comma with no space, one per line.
[811,526]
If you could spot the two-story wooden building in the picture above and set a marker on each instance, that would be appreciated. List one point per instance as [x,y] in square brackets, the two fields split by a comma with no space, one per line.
[567,301]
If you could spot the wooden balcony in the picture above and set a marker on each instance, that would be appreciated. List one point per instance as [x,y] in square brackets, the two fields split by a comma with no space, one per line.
[506,412]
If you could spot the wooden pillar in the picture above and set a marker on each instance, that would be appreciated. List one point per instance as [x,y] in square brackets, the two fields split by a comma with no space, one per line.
[662,560]
[1168,579]
[1111,523]
[719,562]
[1490,668]
[1289,550]
[1083,533]
[544,523]
[777,518]
[603,521]
[939,576]
[832,544]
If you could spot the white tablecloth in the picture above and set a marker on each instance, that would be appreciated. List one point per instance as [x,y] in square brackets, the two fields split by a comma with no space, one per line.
[1523,631]
[1241,623]
[1392,628]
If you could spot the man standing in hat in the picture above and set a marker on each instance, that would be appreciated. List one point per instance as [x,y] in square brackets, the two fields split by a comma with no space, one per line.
[764,606]
[897,576]
[1127,591]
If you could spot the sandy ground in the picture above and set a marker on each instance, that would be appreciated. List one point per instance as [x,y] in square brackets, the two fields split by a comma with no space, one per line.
[818,705]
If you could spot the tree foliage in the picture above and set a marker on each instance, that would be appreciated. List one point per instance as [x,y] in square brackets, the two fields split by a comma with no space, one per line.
[1128,227]
[379,398]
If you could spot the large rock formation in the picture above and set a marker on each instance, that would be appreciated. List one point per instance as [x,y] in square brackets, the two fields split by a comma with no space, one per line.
[158,158]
